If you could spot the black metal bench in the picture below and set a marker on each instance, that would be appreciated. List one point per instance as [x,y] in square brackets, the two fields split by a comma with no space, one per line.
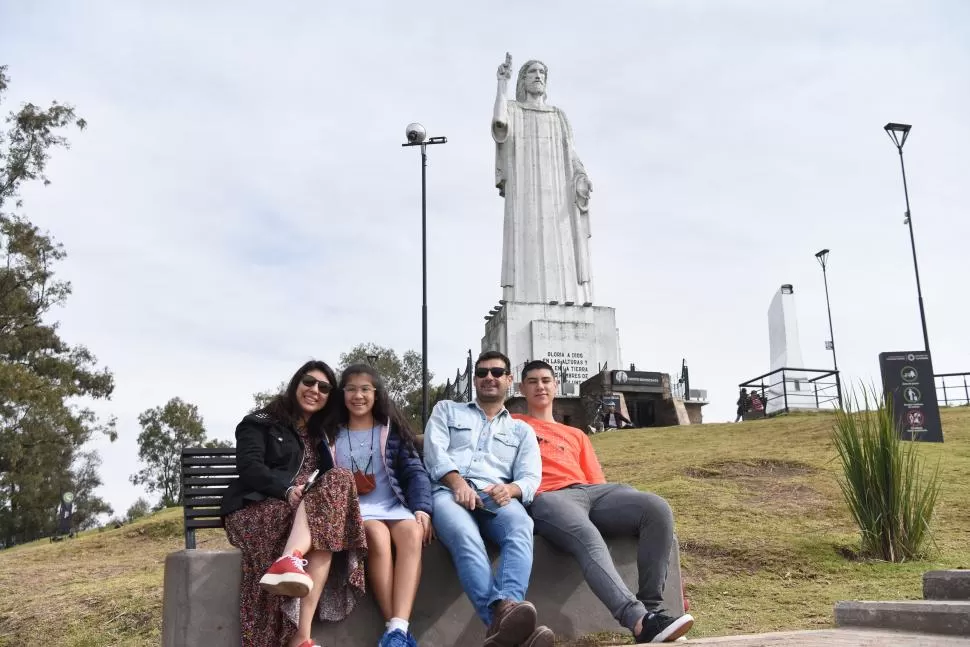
[206,474]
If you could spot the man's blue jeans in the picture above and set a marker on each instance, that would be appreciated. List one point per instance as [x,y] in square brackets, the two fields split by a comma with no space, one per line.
[462,532]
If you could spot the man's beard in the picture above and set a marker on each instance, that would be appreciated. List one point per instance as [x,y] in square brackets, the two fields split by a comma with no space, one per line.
[499,396]
[537,87]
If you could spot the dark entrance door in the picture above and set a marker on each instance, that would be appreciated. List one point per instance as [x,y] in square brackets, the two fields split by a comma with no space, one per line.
[642,412]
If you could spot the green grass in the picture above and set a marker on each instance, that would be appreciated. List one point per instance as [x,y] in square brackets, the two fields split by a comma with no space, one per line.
[767,542]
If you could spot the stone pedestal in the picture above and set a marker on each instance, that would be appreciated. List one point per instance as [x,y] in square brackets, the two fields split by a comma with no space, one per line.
[579,339]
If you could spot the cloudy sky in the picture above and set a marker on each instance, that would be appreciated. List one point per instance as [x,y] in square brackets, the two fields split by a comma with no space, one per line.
[240,200]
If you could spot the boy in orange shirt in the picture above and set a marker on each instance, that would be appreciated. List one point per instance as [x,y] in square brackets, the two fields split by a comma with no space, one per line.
[575,507]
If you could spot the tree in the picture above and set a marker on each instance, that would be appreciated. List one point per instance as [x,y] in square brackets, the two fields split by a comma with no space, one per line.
[401,375]
[166,431]
[87,506]
[138,509]
[43,379]
[262,398]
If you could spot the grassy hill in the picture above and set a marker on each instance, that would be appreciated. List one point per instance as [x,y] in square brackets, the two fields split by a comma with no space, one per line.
[767,542]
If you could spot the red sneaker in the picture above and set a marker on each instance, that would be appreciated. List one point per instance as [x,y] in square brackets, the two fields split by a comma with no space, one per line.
[287,577]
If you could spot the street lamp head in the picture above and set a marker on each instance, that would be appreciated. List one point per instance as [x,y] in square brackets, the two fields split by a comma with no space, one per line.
[822,256]
[898,133]
[415,133]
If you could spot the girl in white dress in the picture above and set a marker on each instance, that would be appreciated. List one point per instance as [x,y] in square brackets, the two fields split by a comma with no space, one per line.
[371,438]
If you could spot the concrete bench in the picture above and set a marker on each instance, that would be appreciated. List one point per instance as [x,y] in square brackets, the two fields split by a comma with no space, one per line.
[201,594]
[201,603]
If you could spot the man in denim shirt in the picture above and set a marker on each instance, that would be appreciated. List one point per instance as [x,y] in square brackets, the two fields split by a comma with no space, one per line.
[485,467]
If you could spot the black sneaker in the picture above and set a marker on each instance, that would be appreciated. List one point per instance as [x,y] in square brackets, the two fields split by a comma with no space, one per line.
[658,627]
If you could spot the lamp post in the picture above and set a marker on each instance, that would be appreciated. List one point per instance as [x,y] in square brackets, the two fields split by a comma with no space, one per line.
[822,257]
[898,134]
[417,136]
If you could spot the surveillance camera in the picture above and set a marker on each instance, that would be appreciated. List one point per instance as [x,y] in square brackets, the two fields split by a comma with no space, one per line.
[415,133]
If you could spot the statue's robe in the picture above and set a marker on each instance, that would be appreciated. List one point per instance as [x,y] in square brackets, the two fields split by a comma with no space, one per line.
[545,250]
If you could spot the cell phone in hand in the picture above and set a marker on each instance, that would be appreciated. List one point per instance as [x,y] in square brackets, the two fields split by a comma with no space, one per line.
[311,480]
[488,504]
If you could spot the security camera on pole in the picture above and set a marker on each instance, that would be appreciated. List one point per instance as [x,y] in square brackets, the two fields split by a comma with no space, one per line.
[416,135]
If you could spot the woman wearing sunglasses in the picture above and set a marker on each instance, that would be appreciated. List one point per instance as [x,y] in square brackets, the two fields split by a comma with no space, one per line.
[294,517]
[373,440]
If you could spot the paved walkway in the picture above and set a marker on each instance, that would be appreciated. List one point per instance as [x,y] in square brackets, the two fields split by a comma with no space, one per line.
[834,638]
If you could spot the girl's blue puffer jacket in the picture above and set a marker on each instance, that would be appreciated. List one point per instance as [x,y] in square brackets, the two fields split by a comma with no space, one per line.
[405,470]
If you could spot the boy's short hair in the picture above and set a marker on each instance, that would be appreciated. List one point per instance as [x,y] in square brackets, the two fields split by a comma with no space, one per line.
[536,365]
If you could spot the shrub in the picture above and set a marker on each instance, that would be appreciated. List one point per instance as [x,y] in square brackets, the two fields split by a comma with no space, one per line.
[888,491]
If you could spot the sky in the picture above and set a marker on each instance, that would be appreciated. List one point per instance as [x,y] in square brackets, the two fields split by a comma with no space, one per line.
[240,201]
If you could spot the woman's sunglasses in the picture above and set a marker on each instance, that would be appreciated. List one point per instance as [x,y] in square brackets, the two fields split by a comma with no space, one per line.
[322,386]
[496,371]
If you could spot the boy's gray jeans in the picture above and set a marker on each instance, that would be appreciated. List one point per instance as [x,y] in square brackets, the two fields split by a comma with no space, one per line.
[577,518]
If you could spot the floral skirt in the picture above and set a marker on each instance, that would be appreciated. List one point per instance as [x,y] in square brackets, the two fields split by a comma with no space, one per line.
[260,531]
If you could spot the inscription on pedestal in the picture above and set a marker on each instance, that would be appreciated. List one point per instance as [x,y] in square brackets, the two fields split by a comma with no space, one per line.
[570,366]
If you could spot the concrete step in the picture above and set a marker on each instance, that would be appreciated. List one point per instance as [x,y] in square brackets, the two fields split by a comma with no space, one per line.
[948,617]
[835,638]
[947,585]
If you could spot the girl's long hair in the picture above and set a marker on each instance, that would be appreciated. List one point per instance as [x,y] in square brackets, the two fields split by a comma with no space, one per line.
[384,407]
[287,410]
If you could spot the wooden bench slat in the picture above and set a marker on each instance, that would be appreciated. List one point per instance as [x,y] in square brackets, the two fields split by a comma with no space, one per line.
[208,470]
[204,523]
[214,502]
[208,480]
[188,492]
[207,451]
[210,498]
[209,460]
[201,513]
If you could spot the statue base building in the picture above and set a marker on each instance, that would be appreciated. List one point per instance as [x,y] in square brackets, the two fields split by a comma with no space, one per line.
[578,341]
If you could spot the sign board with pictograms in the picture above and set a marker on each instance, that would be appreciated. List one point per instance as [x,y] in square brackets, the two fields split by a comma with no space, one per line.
[907,381]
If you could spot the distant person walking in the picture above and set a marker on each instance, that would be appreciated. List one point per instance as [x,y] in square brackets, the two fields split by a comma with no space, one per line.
[743,403]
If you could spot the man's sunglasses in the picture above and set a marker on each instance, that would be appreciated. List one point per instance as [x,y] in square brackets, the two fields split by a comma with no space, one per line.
[496,371]
[322,386]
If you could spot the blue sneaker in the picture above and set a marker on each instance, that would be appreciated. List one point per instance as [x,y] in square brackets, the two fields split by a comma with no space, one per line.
[396,638]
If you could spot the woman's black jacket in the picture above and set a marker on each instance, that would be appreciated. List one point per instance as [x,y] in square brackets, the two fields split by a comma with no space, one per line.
[269,455]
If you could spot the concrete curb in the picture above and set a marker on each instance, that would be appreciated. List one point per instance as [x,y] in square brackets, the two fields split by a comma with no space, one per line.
[946,585]
[951,618]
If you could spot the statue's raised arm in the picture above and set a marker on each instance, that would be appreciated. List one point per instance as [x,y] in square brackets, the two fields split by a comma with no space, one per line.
[500,117]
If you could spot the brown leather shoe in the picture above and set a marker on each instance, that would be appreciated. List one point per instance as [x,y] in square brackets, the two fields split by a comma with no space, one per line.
[541,637]
[512,622]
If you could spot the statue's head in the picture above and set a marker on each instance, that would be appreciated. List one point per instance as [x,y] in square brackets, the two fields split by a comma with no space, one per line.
[532,80]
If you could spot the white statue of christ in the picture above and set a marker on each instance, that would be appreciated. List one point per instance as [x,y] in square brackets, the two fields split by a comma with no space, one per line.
[545,250]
